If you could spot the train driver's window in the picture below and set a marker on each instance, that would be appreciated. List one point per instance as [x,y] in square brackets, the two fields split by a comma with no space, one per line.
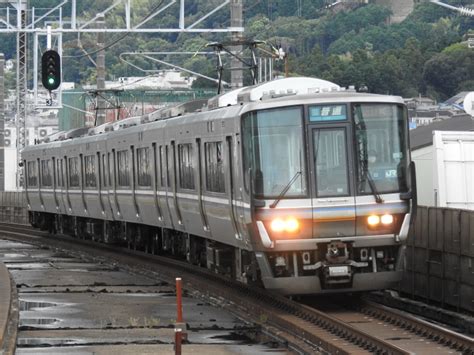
[330,159]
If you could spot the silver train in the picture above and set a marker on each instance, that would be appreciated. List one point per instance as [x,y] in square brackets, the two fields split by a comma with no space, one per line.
[295,184]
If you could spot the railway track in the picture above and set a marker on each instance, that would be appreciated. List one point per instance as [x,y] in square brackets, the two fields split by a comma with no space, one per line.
[304,328]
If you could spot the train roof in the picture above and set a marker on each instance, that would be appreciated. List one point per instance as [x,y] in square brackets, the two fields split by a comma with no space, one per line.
[280,92]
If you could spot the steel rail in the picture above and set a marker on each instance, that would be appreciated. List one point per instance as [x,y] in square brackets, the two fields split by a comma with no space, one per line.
[418,326]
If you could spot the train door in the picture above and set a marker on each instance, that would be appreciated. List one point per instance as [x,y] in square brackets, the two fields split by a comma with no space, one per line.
[67,185]
[155,181]
[164,192]
[55,185]
[331,164]
[104,185]
[113,191]
[61,185]
[233,195]
[172,190]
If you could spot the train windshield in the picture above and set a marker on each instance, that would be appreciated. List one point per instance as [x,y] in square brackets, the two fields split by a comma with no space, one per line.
[274,152]
[381,148]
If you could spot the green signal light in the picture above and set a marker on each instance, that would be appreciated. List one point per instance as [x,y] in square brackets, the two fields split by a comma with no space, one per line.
[51,81]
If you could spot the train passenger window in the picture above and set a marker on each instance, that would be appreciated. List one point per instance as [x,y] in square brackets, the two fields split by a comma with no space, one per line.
[104,175]
[111,167]
[330,159]
[163,169]
[123,168]
[74,172]
[59,173]
[143,167]
[89,171]
[46,173]
[215,181]
[32,174]
[186,168]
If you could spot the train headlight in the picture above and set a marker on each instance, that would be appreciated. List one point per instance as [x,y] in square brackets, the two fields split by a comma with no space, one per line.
[289,225]
[278,225]
[292,225]
[386,219]
[373,220]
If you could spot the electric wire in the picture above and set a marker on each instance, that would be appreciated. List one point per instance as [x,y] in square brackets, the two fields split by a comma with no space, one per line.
[114,42]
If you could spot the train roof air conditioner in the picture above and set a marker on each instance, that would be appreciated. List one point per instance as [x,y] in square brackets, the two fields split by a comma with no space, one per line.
[286,86]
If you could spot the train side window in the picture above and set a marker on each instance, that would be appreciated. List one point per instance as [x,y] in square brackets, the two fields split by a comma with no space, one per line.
[185,164]
[74,172]
[46,176]
[123,167]
[111,167]
[89,171]
[143,167]
[215,181]
[104,170]
[32,175]
[163,169]
[59,172]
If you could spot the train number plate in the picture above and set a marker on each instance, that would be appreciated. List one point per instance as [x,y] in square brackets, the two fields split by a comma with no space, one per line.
[338,270]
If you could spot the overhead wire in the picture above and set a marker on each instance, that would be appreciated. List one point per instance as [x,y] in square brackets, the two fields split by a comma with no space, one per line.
[112,43]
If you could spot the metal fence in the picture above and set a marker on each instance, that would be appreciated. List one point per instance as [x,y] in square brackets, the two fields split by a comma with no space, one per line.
[440,258]
[13,207]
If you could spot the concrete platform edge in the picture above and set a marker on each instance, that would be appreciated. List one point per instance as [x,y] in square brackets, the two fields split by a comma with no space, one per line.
[9,312]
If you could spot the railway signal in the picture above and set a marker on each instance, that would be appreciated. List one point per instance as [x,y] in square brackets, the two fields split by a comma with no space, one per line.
[51,69]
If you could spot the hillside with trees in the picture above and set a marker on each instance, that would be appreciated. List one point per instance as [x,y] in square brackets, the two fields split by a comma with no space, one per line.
[425,54]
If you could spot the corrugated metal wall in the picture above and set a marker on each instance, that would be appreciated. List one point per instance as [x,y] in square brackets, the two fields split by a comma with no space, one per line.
[13,207]
[440,258]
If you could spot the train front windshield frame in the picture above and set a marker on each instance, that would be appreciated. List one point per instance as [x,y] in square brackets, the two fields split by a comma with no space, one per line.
[381,147]
[274,152]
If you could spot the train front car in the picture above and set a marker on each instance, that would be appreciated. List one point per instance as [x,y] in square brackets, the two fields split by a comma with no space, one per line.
[330,191]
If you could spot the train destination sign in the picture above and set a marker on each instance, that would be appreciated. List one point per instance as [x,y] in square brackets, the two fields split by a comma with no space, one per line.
[322,113]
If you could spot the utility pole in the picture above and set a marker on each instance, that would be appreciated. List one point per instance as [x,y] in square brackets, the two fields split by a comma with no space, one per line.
[236,73]
[2,123]
[100,113]
[21,86]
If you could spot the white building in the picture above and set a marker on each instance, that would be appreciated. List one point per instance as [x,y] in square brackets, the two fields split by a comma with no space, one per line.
[443,153]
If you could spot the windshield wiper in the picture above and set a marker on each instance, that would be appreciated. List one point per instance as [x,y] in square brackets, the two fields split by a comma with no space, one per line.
[371,182]
[285,190]
[372,186]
